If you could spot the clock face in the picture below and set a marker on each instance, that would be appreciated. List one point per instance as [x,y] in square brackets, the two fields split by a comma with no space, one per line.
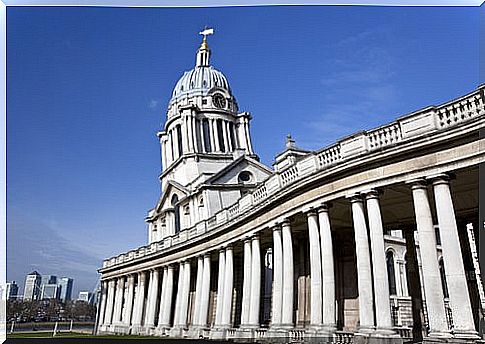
[219,101]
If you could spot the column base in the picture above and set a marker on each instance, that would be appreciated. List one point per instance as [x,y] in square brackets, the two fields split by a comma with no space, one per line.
[465,334]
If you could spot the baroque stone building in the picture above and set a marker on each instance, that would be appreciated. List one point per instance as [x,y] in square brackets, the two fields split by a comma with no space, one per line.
[370,237]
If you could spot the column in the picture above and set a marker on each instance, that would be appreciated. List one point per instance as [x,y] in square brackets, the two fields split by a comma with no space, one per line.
[220,287]
[463,324]
[175,143]
[287,304]
[204,297]
[152,301]
[129,300]
[213,135]
[104,295]
[149,296]
[169,149]
[110,303]
[255,281]
[381,282]
[228,285]
[431,274]
[140,299]
[178,300]
[277,297]
[198,290]
[161,307]
[225,136]
[228,133]
[202,136]
[184,304]
[315,270]
[328,276]
[190,130]
[364,276]
[167,303]
[216,136]
[246,298]
[163,146]
[120,289]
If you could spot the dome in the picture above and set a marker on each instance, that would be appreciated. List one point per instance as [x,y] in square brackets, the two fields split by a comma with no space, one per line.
[199,81]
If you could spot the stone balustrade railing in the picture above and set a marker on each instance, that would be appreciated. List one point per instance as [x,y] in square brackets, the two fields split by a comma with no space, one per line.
[421,123]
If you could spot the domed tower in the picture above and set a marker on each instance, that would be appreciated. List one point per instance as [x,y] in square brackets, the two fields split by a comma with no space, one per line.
[203,130]
[208,162]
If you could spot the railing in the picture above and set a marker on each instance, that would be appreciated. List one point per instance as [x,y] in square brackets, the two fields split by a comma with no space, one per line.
[329,156]
[289,175]
[385,136]
[418,124]
[260,333]
[343,337]
[404,332]
[296,335]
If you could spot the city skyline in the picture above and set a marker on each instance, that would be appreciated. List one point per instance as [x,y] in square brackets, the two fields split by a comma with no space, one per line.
[101,133]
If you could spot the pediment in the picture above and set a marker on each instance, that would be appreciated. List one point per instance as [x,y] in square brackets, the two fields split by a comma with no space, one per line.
[229,175]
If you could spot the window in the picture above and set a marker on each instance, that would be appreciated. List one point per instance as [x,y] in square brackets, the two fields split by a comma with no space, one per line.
[176,208]
[220,135]
[231,134]
[443,278]
[179,138]
[391,276]
[245,176]
[206,132]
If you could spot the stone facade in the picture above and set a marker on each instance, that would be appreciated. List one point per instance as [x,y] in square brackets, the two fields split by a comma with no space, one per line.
[365,240]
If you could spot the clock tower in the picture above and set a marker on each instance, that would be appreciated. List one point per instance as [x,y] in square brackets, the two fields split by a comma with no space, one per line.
[203,131]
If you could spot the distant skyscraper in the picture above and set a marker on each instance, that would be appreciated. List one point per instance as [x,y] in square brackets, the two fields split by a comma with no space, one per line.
[86,296]
[11,291]
[65,284]
[32,286]
[49,291]
[48,279]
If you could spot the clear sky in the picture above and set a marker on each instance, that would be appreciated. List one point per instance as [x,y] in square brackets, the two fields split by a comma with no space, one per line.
[87,90]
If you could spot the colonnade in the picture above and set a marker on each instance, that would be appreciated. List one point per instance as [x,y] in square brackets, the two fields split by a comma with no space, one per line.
[149,306]
[204,135]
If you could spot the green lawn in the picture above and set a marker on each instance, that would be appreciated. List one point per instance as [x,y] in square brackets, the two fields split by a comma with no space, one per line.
[75,335]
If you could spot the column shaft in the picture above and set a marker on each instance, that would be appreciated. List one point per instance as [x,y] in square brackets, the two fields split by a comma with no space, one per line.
[277,297]
[228,285]
[463,324]
[204,298]
[140,299]
[255,281]
[198,290]
[110,303]
[120,288]
[328,275]
[246,298]
[364,277]
[184,304]
[152,301]
[167,304]
[431,275]
[161,308]
[129,301]
[104,296]
[381,282]
[178,299]
[315,270]
[220,287]
[288,268]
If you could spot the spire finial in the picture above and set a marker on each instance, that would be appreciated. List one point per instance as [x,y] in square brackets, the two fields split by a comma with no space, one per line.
[203,54]
[290,143]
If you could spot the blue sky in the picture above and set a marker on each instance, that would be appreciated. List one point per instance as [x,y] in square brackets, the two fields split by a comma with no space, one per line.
[88,87]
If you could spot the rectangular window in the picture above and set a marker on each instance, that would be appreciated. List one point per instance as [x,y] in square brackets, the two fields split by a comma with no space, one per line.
[231,134]
[206,132]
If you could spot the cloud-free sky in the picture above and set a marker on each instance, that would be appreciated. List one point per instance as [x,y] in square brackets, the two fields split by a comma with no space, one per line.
[88,88]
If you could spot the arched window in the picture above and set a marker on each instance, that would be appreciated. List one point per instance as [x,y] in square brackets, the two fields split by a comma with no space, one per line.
[206,133]
[391,276]
[176,208]
[220,135]
[179,138]
[443,278]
